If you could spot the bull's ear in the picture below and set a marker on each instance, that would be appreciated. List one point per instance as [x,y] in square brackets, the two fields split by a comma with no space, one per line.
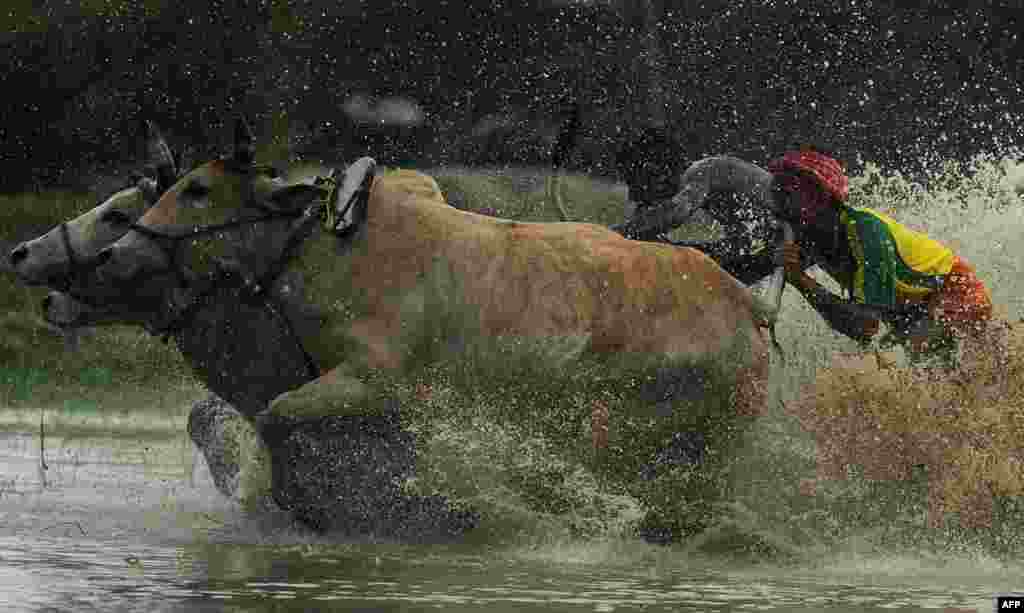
[150,190]
[184,160]
[296,196]
[160,155]
[245,148]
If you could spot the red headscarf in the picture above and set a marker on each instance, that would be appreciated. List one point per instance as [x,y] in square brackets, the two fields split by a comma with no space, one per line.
[818,179]
[827,171]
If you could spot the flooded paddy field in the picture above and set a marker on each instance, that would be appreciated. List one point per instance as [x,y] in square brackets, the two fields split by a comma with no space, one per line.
[130,521]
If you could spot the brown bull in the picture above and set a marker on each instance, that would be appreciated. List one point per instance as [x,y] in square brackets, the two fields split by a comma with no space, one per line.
[549,280]
[538,280]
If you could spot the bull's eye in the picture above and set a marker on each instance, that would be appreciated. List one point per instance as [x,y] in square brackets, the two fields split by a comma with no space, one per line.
[115,218]
[196,190]
[195,194]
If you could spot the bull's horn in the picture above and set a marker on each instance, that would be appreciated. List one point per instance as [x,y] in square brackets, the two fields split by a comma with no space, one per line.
[183,160]
[160,156]
[245,149]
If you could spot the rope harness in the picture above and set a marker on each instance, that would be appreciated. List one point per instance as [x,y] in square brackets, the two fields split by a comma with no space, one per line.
[229,274]
[76,265]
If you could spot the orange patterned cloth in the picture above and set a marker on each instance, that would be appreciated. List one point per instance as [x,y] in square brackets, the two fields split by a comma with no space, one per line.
[963,303]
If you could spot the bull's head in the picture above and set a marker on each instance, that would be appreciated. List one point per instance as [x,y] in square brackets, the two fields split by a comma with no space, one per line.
[226,211]
[60,259]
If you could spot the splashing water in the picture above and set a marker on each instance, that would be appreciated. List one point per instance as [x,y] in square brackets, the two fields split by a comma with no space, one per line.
[918,443]
[544,493]
[977,211]
[559,525]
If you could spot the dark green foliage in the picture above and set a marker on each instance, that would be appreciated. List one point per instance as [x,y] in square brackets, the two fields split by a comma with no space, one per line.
[746,81]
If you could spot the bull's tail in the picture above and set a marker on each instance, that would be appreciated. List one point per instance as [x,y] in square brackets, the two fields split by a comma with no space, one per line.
[775,343]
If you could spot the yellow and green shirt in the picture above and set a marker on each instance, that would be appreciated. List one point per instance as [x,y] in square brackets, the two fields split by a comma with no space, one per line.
[893,263]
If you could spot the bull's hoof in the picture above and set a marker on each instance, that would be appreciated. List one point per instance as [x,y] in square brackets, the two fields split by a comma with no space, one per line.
[344,474]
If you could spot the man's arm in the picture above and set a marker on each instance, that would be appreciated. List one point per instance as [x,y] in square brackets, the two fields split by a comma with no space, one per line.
[665,215]
[713,174]
[855,321]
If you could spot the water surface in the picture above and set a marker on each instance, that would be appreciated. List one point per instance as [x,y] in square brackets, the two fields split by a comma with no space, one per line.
[133,523]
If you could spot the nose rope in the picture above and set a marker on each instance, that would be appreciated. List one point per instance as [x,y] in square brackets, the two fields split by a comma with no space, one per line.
[255,289]
[71,270]
[75,266]
[171,253]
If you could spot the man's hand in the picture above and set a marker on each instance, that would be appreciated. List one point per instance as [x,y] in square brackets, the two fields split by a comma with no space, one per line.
[789,256]
[846,318]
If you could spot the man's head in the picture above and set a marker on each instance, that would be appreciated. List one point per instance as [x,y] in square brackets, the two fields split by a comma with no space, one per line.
[810,187]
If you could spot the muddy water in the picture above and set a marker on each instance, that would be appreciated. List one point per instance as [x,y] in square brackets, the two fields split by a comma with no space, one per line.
[132,522]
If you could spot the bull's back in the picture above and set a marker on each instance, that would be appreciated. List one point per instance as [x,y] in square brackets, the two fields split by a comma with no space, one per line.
[583,279]
[673,301]
[552,279]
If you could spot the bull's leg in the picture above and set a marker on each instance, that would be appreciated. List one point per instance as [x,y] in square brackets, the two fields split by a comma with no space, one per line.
[254,468]
[339,392]
[336,393]
[235,454]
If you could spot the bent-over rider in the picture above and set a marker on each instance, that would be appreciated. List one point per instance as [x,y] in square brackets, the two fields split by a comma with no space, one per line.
[879,262]
[927,293]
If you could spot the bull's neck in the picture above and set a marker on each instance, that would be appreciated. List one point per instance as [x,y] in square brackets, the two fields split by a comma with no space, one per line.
[247,342]
[315,290]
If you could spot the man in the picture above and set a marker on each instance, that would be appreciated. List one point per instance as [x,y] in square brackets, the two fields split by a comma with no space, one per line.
[929,295]
[735,193]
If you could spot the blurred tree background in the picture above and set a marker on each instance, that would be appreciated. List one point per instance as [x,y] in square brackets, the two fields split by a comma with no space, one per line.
[489,81]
